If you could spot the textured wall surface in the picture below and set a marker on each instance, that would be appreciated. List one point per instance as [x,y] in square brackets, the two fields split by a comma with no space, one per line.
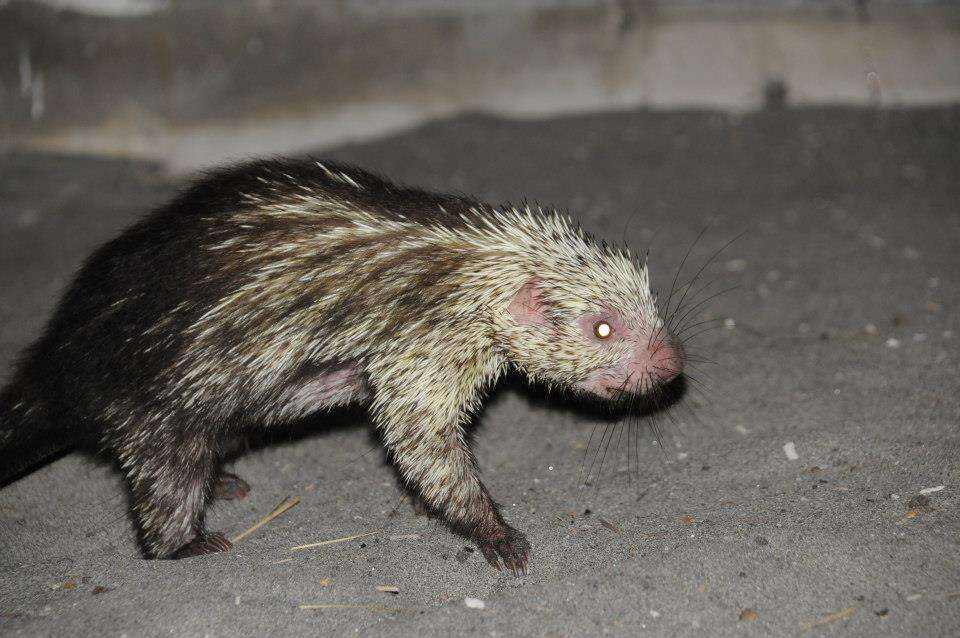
[194,83]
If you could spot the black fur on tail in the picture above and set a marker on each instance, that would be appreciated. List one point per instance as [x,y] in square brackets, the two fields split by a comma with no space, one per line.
[28,434]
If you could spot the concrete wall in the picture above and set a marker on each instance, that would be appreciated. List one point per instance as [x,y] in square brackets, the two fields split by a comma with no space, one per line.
[194,83]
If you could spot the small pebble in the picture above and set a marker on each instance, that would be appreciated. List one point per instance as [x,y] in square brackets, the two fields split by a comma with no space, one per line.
[893,342]
[737,265]
[474,603]
[748,615]
[791,451]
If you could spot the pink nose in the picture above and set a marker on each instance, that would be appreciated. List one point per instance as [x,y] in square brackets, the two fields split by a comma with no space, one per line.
[658,362]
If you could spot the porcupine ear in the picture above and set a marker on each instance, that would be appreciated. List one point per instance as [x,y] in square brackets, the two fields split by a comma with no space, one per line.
[527,306]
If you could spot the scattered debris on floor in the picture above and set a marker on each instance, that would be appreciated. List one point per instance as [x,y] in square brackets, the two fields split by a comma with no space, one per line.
[404,537]
[613,527]
[280,509]
[748,615]
[332,541]
[931,490]
[388,589]
[909,514]
[790,449]
[474,603]
[843,614]
[347,606]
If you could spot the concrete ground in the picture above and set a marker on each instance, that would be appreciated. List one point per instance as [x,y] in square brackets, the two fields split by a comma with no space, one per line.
[810,487]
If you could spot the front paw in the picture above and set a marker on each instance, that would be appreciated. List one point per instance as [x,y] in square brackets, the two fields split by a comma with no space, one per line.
[508,545]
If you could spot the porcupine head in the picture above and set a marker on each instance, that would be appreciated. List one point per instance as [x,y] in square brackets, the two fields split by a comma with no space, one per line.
[584,318]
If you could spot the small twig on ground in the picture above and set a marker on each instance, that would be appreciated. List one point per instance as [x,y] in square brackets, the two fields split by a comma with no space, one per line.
[843,614]
[613,527]
[342,539]
[342,606]
[404,537]
[284,505]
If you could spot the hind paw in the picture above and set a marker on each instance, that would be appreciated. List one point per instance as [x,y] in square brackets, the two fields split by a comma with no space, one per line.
[213,543]
[230,487]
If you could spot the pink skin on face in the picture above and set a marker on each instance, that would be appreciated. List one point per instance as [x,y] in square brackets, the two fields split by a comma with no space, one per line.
[649,361]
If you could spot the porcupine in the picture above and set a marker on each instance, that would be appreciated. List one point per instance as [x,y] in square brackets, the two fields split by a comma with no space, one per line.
[276,289]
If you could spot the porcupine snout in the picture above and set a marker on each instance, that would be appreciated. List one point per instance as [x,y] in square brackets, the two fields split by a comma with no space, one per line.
[656,359]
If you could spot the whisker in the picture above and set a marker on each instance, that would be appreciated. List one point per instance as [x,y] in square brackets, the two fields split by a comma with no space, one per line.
[709,261]
[676,276]
[706,300]
[603,458]
[583,461]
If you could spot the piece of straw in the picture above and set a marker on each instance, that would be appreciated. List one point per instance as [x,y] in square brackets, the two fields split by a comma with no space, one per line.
[843,614]
[342,539]
[284,505]
[341,606]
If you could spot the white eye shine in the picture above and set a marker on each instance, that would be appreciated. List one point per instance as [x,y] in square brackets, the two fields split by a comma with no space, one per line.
[602,330]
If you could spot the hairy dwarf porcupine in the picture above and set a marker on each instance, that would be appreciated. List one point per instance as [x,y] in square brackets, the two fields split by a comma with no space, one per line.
[275,289]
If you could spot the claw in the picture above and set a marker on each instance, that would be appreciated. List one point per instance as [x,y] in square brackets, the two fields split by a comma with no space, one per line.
[510,547]
[204,544]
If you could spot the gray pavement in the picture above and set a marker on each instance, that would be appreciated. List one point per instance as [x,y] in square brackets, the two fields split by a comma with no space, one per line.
[842,338]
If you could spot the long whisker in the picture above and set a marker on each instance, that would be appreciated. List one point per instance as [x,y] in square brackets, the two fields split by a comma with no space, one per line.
[708,262]
[676,276]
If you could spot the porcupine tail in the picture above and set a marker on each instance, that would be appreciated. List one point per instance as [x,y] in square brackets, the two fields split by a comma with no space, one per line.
[28,434]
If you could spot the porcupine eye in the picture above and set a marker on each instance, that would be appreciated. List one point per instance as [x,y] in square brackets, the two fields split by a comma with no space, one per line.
[602,330]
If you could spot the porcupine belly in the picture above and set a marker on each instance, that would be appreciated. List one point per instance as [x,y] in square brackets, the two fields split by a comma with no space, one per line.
[276,289]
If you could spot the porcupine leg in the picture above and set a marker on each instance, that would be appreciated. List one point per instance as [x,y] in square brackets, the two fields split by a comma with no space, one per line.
[443,472]
[172,485]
